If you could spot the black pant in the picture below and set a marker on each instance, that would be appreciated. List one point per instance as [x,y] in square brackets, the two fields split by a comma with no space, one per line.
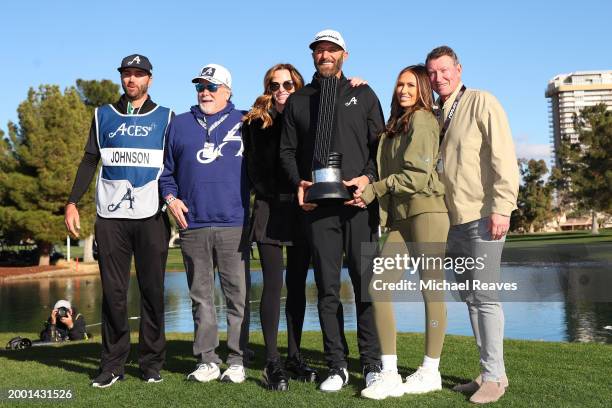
[117,240]
[298,259]
[332,231]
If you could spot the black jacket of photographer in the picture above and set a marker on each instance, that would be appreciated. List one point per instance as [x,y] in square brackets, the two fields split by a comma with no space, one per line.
[358,121]
[60,332]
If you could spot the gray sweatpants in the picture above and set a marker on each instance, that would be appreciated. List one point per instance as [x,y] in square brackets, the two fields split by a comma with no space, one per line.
[473,239]
[225,248]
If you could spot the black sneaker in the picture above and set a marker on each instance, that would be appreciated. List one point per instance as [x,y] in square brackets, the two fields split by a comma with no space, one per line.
[106,379]
[152,378]
[274,377]
[299,370]
[370,373]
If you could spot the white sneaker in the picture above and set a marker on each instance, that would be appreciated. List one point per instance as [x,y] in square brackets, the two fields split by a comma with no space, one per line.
[383,385]
[422,381]
[371,373]
[336,379]
[205,372]
[235,373]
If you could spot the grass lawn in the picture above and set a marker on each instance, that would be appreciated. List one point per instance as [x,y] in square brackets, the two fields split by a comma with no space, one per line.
[541,374]
[559,247]
[175,259]
[565,237]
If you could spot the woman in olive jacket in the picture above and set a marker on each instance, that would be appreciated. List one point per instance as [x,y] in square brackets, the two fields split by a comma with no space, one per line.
[411,200]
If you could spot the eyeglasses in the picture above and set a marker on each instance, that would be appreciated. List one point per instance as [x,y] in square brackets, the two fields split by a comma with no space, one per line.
[275,86]
[210,87]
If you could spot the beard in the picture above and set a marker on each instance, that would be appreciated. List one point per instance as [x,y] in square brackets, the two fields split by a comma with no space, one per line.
[137,93]
[206,108]
[328,72]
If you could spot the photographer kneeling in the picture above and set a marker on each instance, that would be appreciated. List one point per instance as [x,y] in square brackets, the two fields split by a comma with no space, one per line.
[64,324]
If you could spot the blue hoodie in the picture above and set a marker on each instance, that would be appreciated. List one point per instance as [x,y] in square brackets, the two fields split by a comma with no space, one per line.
[215,190]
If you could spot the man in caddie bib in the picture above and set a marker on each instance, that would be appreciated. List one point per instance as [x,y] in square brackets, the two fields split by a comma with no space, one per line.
[129,137]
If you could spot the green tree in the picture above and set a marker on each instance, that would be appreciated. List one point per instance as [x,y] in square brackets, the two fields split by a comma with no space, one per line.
[592,183]
[39,162]
[534,198]
[96,93]
[583,177]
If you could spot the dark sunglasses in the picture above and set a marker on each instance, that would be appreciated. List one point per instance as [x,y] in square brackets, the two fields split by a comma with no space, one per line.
[211,87]
[275,86]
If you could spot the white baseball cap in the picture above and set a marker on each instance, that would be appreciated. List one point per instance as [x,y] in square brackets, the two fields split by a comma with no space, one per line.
[328,35]
[216,74]
[62,303]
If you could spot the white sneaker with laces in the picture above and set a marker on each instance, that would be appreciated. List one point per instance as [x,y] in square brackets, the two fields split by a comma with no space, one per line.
[422,381]
[205,372]
[383,385]
[372,377]
[336,379]
[235,373]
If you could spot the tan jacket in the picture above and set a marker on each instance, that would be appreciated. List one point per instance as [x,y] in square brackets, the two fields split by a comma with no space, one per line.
[478,160]
[409,184]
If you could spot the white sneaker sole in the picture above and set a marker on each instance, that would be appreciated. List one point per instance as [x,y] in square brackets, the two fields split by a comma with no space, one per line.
[395,393]
[332,390]
[97,385]
[413,392]
[193,377]
[228,379]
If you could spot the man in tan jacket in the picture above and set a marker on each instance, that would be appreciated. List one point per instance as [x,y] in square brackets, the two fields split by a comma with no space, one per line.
[478,168]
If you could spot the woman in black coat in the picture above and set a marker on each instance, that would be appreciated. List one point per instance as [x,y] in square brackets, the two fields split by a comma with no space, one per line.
[275,224]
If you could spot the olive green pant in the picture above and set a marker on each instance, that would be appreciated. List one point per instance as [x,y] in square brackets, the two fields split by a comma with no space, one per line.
[430,230]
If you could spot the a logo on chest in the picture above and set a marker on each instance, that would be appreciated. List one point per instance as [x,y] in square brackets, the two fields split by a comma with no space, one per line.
[352,101]
[132,130]
[209,153]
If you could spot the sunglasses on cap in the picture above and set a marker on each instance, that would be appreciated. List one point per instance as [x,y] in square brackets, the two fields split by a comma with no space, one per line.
[275,86]
[210,87]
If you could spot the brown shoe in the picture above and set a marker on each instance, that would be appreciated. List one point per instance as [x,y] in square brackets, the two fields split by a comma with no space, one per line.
[472,386]
[489,391]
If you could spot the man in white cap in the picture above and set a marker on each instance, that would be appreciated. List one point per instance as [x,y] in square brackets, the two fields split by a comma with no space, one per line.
[65,323]
[329,114]
[205,187]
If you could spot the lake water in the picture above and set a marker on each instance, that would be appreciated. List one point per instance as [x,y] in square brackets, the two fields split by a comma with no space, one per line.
[26,305]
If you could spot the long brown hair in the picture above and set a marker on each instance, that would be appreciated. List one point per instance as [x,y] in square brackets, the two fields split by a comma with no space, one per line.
[398,121]
[263,104]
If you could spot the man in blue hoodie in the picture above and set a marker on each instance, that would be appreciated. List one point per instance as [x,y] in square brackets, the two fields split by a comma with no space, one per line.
[205,187]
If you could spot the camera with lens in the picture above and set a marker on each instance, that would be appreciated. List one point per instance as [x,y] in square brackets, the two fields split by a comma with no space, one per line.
[62,312]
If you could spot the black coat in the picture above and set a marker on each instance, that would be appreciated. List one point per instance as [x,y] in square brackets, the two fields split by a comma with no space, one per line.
[275,219]
[261,150]
[358,121]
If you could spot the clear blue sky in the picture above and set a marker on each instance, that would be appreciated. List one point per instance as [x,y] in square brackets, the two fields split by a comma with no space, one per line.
[509,48]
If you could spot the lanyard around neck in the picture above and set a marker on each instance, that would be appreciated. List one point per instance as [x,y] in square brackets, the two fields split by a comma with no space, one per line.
[451,112]
[208,130]
[130,109]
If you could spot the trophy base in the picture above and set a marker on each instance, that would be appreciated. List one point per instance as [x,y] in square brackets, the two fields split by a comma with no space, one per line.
[327,193]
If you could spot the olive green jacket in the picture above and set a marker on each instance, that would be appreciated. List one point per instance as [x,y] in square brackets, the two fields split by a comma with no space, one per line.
[409,183]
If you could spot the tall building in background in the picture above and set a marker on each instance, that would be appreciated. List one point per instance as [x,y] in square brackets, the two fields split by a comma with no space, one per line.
[568,95]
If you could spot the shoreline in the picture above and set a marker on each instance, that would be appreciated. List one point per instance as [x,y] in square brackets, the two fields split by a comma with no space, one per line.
[64,269]
[515,253]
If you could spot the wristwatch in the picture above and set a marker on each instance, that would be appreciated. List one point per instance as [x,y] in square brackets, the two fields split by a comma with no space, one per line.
[170,198]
